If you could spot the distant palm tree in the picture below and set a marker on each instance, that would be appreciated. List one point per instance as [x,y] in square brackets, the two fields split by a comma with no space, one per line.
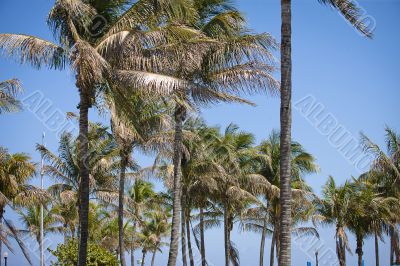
[302,163]
[64,166]
[15,172]
[352,13]
[9,90]
[136,123]
[385,175]
[369,212]
[152,233]
[31,219]
[140,197]
[334,209]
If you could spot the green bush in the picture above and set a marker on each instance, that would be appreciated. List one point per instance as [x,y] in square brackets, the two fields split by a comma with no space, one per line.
[67,255]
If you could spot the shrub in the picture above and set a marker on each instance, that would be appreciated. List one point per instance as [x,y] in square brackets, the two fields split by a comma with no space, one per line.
[67,255]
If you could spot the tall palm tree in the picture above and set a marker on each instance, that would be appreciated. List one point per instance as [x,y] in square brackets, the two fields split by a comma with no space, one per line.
[80,48]
[350,10]
[15,172]
[9,89]
[136,123]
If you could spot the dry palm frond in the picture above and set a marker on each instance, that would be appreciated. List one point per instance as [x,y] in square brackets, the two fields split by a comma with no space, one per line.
[9,90]
[33,50]
[353,13]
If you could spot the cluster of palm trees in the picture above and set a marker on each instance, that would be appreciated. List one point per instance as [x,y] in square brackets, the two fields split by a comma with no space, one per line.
[150,66]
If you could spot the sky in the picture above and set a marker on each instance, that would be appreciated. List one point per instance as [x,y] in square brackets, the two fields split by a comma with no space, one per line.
[342,83]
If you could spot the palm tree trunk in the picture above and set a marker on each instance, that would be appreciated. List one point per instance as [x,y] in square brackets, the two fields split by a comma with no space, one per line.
[84,106]
[143,257]
[202,244]
[132,255]
[124,161]
[176,208]
[359,250]
[262,244]
[226,236]
[183,232]
[285,138]
[189,240]
[376,249]
[1,233]
[153,258]
[340,251]
[391,246]
[272,253]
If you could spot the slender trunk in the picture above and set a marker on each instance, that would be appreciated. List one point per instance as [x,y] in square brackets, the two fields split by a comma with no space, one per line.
[153,258]
[202,244]
[1,233]
[272,253]
[176,208]
[316,258]
[65,228]
[285,138]
[262,244]
[189,242]
[226,236]
[84,106]
[143,257]
[124,155]
[391,246]
[183,232]
[133,244]
[359,250]
[340,249]
[132,256]
[376,249]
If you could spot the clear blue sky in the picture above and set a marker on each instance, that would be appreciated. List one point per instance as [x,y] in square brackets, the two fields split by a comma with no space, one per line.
[355,79]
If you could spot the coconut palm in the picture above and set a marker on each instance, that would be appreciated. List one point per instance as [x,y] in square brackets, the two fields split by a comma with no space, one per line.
[9,89]
[237,184]
[31,219]
[136,123]
[140,197]
[154,230]
[302,163]
[385,175]
[334,209]
[79,47]
[15,172]
[369,212]
[64,166]
[351,12]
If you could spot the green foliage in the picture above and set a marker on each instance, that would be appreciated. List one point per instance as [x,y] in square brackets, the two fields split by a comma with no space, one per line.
[67,255]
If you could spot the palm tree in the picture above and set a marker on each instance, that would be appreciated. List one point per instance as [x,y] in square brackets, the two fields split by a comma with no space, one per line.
[64,167]
[9,90]
[141,196]
[302,163]
[152,233]
[15,172]
[369,212]
[80,48]
[135,124]
[334,209]
[351,12]
[385,175]
[30,219]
